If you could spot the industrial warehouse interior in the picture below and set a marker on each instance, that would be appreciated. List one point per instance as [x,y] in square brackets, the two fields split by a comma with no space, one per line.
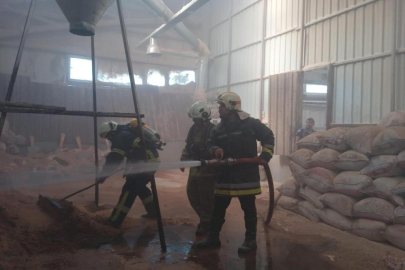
[257,134]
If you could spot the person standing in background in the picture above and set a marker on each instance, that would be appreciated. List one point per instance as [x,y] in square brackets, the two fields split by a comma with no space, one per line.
[303,132]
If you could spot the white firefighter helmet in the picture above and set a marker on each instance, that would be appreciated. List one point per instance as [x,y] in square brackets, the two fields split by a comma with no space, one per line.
[231,101]
[106,128]
[199,110]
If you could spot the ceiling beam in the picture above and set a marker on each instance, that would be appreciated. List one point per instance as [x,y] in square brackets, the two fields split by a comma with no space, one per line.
[178,17]
[55,27]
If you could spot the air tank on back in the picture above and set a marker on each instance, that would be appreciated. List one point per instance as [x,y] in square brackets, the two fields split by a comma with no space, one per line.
[149,133]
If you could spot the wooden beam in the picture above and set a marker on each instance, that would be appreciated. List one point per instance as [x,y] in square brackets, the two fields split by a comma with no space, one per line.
[332,125]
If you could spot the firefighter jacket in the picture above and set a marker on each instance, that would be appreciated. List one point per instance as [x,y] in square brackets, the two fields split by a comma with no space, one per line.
[238,140]
[196,148]
[127,143]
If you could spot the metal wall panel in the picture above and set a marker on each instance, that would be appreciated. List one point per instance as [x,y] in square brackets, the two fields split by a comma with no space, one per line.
[400,98]
[362,91]
[357,40]
[247,26]
[238,5]
[401,26]
[219,39]
[400,77]
[282,51]
[357,33]
[250,95]
[219,11]
[317,9]
[282,15]
[241,59]
[266,97]
[281,54]
[217,71]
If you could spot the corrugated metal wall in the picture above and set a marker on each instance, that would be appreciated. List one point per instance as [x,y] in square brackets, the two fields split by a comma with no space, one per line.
[400,82]
[250,95]
[362,87]
[356,36]
[282,36]
[235,43]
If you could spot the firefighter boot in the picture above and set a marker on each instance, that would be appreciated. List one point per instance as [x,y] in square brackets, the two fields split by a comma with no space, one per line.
[212,240]
[150,208]
[250,236]
[201,230]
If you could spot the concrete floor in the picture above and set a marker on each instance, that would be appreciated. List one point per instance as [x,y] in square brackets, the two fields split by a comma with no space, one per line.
[290,242]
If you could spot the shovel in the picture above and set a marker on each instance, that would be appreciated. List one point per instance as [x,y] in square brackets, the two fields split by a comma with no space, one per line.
[55,206]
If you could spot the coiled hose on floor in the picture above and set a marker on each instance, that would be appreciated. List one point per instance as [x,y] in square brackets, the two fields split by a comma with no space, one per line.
[236,161]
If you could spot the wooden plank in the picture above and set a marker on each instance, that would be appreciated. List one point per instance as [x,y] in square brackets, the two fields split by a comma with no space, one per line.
[281,113]
[62,140]
[79,142]
[333,125]
[288,114]
[299,80]
[329,97]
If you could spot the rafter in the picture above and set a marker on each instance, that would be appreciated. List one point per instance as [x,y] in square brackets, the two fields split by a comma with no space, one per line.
[50,28]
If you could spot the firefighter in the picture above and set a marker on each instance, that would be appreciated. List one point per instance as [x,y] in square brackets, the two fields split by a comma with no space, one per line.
[126,142]
[235,137]
[201,180]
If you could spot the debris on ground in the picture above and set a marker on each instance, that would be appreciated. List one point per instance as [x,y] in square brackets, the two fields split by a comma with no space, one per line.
[394,263]
[26,230]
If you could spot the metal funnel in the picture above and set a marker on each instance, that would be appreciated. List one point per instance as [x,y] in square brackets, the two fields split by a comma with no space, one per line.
[153,48]
[83,15]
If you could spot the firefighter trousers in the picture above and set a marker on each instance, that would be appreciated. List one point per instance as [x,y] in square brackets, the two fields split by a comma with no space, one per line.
[248,205]
[133,187]
[200,193]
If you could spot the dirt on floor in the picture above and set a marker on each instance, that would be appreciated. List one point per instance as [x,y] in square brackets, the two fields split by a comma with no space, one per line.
[25,230]
[32,239]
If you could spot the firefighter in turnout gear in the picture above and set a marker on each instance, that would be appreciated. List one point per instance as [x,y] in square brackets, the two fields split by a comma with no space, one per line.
[235,137]
[201,180]
[126,142]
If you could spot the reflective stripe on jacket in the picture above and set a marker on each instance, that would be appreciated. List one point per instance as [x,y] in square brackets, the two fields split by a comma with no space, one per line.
[238,140]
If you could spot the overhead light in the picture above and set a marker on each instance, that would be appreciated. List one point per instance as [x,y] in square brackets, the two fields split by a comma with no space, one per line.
[153,48]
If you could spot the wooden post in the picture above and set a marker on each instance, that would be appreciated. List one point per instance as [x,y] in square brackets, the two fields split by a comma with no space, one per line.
[79,142]
[62,140]
[32,140]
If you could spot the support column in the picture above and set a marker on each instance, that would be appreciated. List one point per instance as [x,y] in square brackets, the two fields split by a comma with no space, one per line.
[93,67]
[138,117]
[17,61]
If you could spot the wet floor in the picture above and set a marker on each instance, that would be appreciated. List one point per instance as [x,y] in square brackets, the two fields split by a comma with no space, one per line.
[274,251]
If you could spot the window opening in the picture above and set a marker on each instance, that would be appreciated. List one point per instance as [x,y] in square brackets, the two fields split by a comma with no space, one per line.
[80,69]
[181,77]
[155,78]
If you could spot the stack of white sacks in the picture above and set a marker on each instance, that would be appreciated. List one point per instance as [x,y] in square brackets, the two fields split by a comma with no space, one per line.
[352,179]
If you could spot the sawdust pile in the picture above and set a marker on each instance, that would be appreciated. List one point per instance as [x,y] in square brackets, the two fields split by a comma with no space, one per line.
[26,230]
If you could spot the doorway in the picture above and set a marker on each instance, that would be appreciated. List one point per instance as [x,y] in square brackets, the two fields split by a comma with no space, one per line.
[317,90]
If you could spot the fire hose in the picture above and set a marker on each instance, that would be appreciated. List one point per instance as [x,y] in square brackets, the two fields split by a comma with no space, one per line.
[236,161]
